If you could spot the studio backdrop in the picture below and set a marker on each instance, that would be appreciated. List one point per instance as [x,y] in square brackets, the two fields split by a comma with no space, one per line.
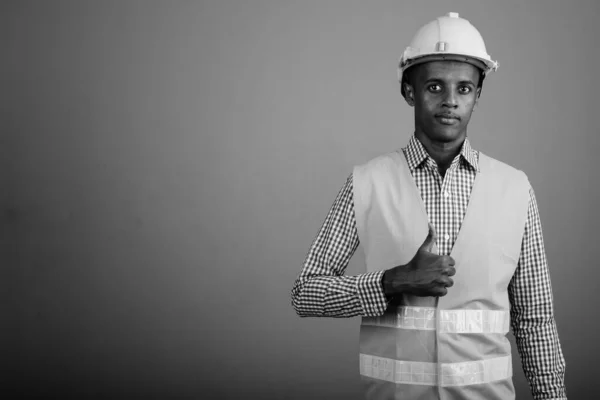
[166,165]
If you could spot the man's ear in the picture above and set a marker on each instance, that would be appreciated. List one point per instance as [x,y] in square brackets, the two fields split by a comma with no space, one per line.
[478,91]
[409,94]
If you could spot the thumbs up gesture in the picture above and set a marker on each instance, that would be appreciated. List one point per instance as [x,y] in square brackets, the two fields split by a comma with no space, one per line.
[427,274]
[430,239]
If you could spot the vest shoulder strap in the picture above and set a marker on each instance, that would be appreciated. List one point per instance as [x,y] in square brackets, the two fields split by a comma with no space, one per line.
[504,175]
[383,169]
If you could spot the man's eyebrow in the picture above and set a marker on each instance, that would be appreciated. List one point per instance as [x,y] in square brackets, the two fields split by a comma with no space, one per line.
[434,80]
[440,80]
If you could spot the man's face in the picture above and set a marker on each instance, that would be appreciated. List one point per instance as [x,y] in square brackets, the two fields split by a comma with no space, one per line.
[444,94]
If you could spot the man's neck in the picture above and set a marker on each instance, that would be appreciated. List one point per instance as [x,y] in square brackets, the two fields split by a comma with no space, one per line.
[443,153]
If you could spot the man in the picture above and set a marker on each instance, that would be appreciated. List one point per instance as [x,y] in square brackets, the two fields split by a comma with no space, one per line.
[453,247]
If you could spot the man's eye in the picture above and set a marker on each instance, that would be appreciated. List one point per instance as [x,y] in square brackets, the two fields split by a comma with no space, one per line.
[434,88]
[464,89]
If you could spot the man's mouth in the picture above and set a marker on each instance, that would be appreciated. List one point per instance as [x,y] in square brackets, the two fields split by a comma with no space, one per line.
[447,116]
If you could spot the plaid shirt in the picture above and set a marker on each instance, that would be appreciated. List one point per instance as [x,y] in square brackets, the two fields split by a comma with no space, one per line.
[322,289]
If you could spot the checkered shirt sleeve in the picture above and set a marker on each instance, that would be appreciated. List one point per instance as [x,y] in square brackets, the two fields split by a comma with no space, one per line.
[532,315]
[322,289]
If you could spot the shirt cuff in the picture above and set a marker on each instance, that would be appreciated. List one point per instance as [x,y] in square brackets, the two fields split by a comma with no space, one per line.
[370,294]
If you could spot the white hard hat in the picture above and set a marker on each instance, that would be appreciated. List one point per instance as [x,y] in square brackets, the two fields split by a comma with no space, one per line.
[447,38]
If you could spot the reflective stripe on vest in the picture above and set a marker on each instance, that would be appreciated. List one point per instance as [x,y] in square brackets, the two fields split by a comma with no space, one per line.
[422,373]
[451,321]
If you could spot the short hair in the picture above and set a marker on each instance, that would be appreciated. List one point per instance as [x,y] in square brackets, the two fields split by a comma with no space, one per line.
[407,76]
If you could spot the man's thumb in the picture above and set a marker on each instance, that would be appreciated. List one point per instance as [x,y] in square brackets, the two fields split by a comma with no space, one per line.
[430,239]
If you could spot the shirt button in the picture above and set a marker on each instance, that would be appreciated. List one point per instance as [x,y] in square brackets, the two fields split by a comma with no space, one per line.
[447,237]
[446,194]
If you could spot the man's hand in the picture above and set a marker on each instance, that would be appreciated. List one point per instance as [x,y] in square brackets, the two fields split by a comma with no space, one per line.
[427,274]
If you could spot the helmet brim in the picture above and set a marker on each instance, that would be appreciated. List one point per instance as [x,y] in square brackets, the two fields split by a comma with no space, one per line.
[448,57]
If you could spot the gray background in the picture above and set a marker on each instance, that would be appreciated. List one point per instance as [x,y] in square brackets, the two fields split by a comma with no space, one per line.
[165,166]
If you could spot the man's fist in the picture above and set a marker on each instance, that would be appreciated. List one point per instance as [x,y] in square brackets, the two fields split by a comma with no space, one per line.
[427,274]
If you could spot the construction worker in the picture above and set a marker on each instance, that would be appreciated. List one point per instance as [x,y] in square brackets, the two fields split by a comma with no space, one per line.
[453,247]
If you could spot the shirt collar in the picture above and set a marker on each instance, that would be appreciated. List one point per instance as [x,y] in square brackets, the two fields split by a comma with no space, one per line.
[416,154]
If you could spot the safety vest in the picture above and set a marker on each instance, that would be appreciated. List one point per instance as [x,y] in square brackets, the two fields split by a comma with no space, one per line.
[455,346]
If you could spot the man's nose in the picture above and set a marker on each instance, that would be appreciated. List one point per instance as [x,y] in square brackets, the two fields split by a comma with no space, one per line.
[451,100]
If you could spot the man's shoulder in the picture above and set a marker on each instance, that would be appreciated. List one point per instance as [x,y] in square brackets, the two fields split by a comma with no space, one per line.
[381,160]
[379,170]
[503,169]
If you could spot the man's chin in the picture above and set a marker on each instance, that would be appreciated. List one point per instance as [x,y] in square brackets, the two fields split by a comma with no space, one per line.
[447,135]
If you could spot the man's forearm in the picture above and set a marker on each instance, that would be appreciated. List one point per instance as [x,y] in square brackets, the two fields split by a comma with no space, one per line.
[542,358]
[339,296]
